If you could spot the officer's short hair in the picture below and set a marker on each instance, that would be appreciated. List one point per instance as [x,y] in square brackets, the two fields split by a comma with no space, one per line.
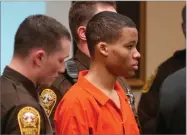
[81,12]
[106,27]
[39,31]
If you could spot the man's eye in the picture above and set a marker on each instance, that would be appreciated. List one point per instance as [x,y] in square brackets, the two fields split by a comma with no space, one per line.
[130,46]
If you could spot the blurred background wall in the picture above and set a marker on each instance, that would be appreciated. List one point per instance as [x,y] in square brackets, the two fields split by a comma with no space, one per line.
[12,14]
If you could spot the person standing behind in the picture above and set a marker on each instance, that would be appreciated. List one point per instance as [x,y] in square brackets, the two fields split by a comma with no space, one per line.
[40,47]
[97,104]
[148,105]
[171,118]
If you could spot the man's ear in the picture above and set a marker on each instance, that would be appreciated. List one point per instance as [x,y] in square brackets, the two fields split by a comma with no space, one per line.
[81,32]
[103,48]
[38,57]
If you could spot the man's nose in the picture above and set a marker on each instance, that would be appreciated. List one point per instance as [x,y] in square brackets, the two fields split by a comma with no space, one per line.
[136,55]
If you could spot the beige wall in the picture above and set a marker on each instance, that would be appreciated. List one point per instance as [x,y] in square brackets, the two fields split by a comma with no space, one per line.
[59,10]
[163,34]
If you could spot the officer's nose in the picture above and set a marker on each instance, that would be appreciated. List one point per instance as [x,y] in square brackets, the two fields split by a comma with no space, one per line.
[62,69]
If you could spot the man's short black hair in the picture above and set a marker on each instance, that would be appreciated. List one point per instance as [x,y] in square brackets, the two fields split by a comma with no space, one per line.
[39,31]
[106,27]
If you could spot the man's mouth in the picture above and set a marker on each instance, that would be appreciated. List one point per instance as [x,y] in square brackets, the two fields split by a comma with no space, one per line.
[135,66]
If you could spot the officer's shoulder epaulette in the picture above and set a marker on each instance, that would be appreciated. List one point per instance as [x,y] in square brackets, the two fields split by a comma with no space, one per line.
[149,82]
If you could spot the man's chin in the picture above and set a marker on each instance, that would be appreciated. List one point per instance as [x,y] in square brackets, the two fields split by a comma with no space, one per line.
[129,75]
[46,85]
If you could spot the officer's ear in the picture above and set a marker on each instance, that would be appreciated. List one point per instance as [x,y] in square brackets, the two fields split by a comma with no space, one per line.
[81,32]
[102,47]
[38,57]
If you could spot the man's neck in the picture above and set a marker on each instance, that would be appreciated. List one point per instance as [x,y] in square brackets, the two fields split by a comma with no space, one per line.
[23,68]
[83,47]
[99,76]
[82,58]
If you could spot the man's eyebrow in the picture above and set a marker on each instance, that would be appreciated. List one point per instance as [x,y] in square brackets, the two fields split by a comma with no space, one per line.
[131,42]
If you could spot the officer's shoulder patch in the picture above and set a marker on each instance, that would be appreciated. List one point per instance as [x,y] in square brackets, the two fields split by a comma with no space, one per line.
[149,82]
[48,100]
[29,121]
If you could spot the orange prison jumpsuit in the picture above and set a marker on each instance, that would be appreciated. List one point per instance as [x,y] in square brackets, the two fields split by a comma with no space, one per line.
[87,110]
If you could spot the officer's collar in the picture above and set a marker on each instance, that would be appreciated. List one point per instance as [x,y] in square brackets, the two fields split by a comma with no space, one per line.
[96,92]
[19,79]
[83,58]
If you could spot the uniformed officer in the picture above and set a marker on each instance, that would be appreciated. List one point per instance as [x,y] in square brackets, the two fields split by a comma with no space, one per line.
[40,47]
[148,105]
[79,14]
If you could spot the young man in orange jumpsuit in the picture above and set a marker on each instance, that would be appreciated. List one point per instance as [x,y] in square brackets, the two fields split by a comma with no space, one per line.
[97,104]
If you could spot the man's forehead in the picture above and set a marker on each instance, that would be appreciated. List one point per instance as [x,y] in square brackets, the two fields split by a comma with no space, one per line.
[129,30]
[65,43]
[65,46]
[128,34]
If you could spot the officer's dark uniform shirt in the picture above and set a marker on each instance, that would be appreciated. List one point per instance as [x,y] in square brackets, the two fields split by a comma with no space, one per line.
[62,84]
[148,105]
[21,112]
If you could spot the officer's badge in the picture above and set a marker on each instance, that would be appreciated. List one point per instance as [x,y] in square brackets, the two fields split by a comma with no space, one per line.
[149,82]
[48,99]
[29,121]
